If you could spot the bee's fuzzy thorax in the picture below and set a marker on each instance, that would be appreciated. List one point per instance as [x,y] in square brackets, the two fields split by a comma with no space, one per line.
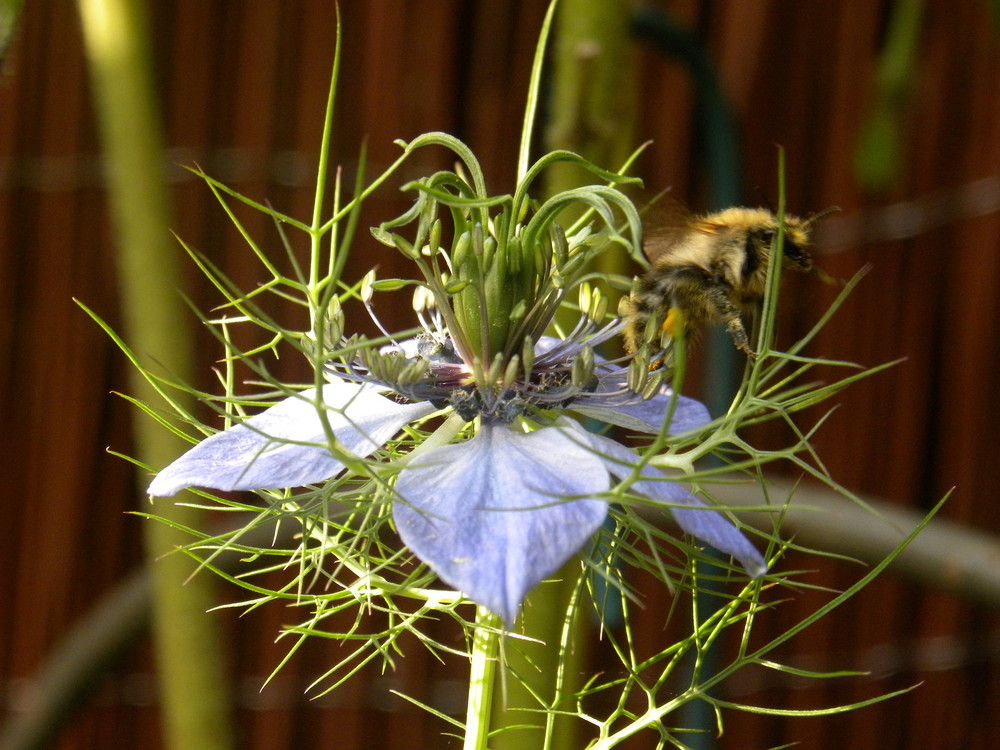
[712,269]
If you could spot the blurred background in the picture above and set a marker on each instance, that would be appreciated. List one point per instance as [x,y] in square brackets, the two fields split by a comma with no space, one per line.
[889,110]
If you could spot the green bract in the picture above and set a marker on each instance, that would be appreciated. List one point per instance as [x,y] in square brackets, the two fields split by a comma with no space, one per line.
[510,265]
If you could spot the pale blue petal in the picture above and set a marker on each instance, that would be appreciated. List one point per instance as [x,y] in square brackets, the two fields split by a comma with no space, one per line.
[698,519]
[285,445]
[648,416]
[495,515]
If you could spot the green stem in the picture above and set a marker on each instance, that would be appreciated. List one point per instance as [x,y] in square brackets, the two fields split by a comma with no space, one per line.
[485,646]
[534,87]
[316,235]
[188,647]
[594,91]
[10,14]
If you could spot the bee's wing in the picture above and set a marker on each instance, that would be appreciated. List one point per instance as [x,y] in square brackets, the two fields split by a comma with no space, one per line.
[666,224]
[660,239]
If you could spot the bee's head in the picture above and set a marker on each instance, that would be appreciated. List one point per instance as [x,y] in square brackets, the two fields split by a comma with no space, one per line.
[797,242]
[796,247]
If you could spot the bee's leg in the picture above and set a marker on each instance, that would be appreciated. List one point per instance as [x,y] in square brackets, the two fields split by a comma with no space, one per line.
[731,318]
[738,332]
[640,316]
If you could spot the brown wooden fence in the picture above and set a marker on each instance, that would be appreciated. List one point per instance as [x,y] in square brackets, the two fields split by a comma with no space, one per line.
[243,86]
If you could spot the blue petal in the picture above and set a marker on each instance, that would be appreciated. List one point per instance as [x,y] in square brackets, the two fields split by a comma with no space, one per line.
[286,446]
[495,515]
[698,519]
[648,416]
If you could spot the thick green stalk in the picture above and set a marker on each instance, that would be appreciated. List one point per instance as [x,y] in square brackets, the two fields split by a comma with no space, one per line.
[878,159]
[192,681]
[594,92]
[594,103]
[593,110]
[482,680]
[532,668]
[10,12]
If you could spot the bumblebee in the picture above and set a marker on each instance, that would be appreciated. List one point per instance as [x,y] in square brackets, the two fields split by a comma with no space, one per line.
[712,270]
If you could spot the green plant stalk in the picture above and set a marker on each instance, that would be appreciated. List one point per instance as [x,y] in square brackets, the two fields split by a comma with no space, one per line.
[593,107]
[482,680]
[594,100]
[878,157]
[10,14]
[316,234]
[539,669]
[534,87]
[194,698]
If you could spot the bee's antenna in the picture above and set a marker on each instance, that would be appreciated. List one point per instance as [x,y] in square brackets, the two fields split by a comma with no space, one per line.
[825,212]
[764,199]
[824,276]
[655,199]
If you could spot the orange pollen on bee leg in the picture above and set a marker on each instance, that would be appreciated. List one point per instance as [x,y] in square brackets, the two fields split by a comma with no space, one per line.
[674,322]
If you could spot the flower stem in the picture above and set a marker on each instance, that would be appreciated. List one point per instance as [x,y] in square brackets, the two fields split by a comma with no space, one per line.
[190,665]
[485,645]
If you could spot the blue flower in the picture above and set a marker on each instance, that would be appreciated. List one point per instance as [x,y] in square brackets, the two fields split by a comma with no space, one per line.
[499,512]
